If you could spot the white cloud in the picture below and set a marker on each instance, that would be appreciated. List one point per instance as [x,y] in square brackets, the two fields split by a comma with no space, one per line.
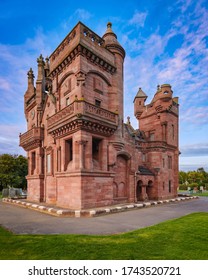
[199,149]
[184,4]
[78,15]
[9,141]
[147,63]
[138,19]
[195,115]
[4,84]
[194,156]
[15,61]
[186,70]
[83,14]
[193,163]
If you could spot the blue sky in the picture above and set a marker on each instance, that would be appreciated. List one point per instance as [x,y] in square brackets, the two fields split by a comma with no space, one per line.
[165,42]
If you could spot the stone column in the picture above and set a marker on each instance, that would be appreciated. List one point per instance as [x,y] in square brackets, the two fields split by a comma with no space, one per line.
[82,144]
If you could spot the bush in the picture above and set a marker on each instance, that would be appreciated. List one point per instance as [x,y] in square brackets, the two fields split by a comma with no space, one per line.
[182,187]
[193,185]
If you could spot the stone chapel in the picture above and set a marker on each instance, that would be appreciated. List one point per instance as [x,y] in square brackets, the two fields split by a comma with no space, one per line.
[81,154]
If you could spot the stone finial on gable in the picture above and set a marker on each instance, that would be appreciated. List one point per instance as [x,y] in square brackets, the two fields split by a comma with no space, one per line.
[30,74]
[40,60]
[41,64]
[128,121]
[47,66]
[30,77]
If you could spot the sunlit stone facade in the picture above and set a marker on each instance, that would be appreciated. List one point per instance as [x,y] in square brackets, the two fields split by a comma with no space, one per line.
[81,153]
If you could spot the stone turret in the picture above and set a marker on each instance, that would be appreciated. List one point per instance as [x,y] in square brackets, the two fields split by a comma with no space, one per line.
[139,103]
[40,83]
[164,92]
[30,88]
[116,94]
[111,42]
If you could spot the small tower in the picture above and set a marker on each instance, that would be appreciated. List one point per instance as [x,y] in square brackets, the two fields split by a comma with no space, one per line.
[116,92]
[164,93]
[139,103]
[40,83]
[30,89]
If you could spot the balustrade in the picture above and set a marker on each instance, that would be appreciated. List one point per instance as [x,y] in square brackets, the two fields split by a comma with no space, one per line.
[77,109]
[32,138]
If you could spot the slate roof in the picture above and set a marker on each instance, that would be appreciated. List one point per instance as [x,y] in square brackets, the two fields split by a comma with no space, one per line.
[145,171]
[140,94]
[136,133]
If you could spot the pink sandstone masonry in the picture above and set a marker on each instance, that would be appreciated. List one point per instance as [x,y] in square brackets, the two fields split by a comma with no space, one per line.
[81,154]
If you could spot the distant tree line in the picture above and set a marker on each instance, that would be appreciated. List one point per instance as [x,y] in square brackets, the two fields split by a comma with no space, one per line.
[13,169]
[193,179]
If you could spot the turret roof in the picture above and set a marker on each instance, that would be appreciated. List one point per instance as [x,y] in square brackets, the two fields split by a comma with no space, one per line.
[109,31]
[140,94]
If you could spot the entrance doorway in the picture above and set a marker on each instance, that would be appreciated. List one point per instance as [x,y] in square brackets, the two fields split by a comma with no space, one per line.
[139,190]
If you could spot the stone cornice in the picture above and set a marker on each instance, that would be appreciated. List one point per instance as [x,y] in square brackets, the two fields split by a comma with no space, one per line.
[157,146]
[80,123]
[89,54]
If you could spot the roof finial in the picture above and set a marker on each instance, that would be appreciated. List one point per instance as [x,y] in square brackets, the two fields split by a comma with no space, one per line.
[109,24]
[30,74]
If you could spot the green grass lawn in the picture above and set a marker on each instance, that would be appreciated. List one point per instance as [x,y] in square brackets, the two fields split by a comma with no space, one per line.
[201,194]
[185,238]
[195,194]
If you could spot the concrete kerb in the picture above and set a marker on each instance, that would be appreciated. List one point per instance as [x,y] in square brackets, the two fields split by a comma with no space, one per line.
[92,212]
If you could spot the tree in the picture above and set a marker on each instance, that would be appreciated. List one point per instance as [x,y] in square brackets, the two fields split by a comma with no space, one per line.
[13,169]
[21,170]
[201,170]
[193,178]
[182,177]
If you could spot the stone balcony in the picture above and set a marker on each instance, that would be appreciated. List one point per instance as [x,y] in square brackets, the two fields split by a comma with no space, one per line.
[32,138]
[82,115]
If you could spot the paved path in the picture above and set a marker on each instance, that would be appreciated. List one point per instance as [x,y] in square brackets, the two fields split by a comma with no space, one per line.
[26,221]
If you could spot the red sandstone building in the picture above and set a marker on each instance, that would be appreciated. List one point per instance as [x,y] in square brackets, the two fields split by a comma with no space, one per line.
[81,154]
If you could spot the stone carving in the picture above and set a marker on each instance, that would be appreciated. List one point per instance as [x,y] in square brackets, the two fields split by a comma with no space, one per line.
[81,78]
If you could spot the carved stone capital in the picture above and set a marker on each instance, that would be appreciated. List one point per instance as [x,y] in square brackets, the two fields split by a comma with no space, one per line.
[81,77]
[82,142]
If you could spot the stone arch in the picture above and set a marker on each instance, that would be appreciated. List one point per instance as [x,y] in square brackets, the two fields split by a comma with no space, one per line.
[124,154]
[64,78]
[121,189]
[115,190]
[65,88]
[149,189]
[150,183]
[121,176]
[139,190]
[102,76]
